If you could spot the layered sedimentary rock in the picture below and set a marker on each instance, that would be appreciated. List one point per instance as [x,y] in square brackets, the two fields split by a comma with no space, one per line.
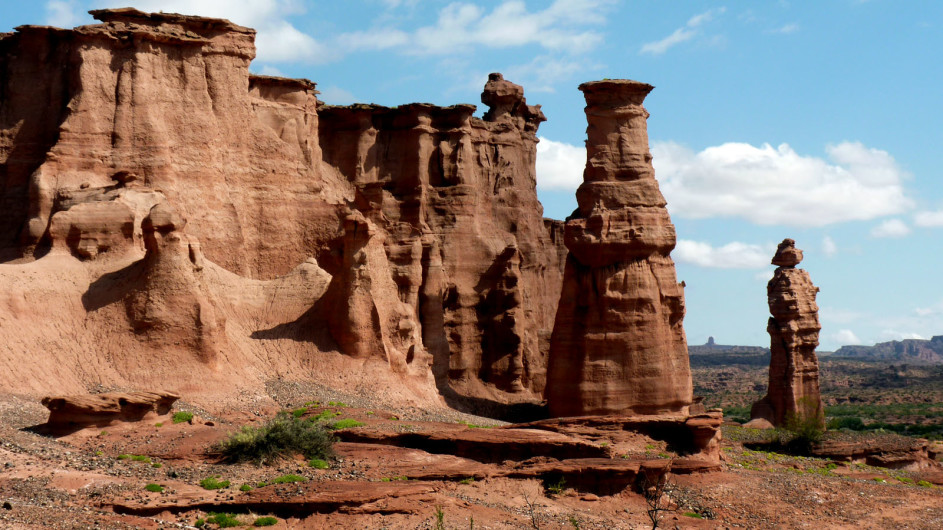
[70,413]
[793,394]
[191,223]
[618,344]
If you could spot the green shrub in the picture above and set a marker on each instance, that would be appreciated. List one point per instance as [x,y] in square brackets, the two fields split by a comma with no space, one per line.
[318,463]
[807,426]
[157,465]
[846,422]
[154,488]
[265,521]
[297,413]
[693,515]
[141,458]
[467,480]
[924,484]
[245,487]
[159,424]
[555,488]
[346,423]
[336,404]
[124,457]
[224,520]
[199,523]
[213,483]
[280,437]
[288,479]
[182,416]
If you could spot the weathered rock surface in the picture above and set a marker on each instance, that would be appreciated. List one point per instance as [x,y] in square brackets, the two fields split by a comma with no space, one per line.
[793,393]
[170,219]
[69,413]
[618,345]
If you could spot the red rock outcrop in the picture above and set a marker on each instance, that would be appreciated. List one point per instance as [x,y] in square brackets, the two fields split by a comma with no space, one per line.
[170,219]
[618,344]
[793,394]
[70,413]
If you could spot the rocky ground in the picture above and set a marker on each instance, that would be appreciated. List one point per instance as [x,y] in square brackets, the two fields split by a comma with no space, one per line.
[388,474]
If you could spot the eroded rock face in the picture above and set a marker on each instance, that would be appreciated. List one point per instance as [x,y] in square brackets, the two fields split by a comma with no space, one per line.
[69,413]
[176,211]
[618,344]
[793,394]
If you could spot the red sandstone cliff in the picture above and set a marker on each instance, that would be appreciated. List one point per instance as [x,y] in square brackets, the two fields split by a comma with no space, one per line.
[618,344]
[171,220]
[793,394]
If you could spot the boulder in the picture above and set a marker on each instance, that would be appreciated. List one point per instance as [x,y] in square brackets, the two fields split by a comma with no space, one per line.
[71,413]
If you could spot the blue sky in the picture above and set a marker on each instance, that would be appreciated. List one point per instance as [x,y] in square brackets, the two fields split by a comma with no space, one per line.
[819,121]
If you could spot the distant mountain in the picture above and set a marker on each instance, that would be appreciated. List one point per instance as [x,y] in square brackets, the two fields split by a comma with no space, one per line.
[712,348]
[713,354]
[930,351]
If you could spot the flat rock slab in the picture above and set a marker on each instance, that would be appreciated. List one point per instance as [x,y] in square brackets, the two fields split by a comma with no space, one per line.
[290,500]
[71,413]
[484,445]
[388,461]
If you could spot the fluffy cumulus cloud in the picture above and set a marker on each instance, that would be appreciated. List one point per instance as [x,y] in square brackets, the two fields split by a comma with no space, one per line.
[891,228]
[277,39]
[929,219]
[777,186]
[685,33]
[733,255]
[559,165]
[459,26]
[845,337]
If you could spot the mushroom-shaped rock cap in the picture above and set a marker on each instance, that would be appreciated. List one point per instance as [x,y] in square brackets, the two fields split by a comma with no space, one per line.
[163,218]
[787,255]
[615,92]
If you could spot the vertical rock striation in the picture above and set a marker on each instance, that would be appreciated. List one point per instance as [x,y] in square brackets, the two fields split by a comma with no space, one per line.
[618,344]
[793,393]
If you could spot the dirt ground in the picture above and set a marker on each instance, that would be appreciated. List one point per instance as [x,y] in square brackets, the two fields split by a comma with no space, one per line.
[96,478]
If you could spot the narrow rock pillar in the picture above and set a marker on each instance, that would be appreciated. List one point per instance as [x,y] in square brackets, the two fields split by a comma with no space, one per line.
[618,345]
[793,396]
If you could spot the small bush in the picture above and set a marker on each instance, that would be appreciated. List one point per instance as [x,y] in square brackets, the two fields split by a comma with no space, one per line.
[555,488]
[467,480]
[693,515]
[224,520]
[265,521]
[159,424]
[141,458]
[124,457]
[213,483]
[924,484]
[336,404]
[280,437]
[199,523]
[288,479]
[297,413]
[157,465]
[318,463]
[182,416]
[154,488]
[245,487]
[346,423]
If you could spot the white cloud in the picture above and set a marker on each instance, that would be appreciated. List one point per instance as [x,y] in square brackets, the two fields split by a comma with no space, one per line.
[733,255]
[890,228]
[277,39]
[462,26]
[559,165]
[893,334]
[846,337]
[929,219]
[682,34]
[768,186]
[63,14]
[334,95]
[785,29]
[829,248]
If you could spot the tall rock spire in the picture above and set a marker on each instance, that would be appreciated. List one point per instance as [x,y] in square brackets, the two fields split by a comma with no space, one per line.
[618,344]
[793,393]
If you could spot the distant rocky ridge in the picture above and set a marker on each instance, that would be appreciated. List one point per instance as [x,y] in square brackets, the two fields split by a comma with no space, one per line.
[712,348]
[909,350]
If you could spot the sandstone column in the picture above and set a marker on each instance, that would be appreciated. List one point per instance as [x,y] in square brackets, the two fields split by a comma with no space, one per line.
[793,393]
[618,344]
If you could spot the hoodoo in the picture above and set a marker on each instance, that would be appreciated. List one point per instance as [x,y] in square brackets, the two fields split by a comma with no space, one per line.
[793,393]
[618,344]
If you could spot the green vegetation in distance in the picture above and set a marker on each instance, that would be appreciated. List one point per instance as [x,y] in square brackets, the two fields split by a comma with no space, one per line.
[318,463]
[213,483]
[280,437]
[347,423]
[182,416]
[154,488]
[265,521]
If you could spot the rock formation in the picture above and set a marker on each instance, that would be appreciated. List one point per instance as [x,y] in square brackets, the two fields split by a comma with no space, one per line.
[71,413]
[793,394]
[618,344]
[195,226]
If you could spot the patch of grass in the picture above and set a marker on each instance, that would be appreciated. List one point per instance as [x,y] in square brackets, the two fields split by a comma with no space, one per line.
[473,425]
[439,518]
[280,437]
[693,515]
[391,479]
[924,484]
[159,424]
[224,520]
[324,415]
[297,413]
[265,521]
[124,457]
[336,404]
[555,487]
[103,433]
[199,523]
[154,488]
[157,465]
[288,479]
[141,458]
[182,416]
[213,483]
[346,423]
[318,463]
[467,480]
[245,487]
[99,453]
